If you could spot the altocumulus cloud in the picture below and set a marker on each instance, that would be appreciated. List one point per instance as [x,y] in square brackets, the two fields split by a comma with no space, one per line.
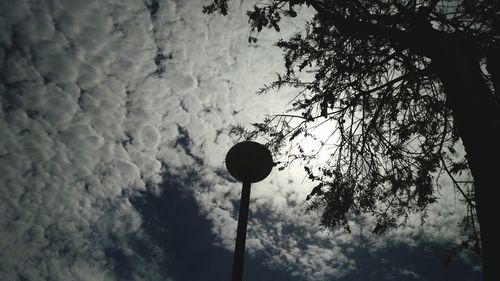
[101,99]
[94,96]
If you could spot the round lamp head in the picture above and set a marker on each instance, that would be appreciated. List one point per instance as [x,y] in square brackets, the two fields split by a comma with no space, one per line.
[249,161]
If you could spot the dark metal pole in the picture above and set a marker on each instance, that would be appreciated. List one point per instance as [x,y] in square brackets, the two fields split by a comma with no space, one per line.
[239,249]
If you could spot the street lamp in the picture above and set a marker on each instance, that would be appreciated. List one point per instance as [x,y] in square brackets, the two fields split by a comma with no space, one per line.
[248,162]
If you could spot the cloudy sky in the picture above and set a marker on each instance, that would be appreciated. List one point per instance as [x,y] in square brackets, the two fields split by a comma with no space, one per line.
[113,123]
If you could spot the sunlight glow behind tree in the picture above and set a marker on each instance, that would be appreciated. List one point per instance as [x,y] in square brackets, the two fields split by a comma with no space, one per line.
[406,82]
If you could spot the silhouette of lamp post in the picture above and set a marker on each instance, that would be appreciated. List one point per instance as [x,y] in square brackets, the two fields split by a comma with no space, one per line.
[248,162]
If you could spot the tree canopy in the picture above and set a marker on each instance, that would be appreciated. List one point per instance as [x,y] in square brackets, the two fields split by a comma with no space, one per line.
[405,83]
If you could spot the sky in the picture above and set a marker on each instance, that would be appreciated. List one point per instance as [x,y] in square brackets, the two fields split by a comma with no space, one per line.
[113,125]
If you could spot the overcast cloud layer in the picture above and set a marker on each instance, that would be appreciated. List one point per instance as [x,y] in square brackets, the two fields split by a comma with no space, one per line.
[100,100]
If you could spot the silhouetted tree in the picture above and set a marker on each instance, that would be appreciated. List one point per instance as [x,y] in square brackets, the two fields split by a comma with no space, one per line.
[406,83]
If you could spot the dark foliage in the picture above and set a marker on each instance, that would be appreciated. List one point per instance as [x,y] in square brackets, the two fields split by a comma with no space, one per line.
[378,77]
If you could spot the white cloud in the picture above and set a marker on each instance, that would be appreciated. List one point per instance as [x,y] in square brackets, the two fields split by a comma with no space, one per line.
[95,96]
[67,81]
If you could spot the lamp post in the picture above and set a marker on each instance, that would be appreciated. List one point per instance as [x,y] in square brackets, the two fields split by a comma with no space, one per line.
[248,162]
